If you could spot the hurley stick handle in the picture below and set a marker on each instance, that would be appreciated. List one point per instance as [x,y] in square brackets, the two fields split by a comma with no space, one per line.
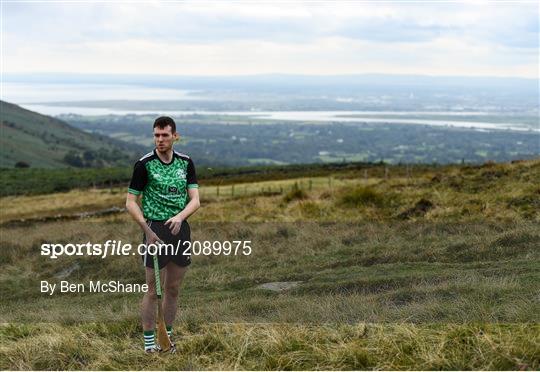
[156,273]
[162,337]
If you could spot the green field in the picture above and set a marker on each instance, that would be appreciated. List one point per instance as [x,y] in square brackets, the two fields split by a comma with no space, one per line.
[427,268]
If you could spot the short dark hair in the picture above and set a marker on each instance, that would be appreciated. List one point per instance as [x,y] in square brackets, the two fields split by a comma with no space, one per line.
[164,121]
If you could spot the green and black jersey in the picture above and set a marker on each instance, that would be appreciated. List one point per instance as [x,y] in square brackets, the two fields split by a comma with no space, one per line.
[164,186]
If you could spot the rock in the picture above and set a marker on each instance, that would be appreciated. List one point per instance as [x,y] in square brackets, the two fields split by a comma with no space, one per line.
[278,286]
[67,271]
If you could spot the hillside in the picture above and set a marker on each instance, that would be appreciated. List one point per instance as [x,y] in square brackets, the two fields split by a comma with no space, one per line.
[45,142]
[428,268]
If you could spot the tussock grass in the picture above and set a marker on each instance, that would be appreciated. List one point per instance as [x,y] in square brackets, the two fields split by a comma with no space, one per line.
[295,194]
[367,271]
[229,346]
[21,207]
[453,286]
[512,195]
[361,196]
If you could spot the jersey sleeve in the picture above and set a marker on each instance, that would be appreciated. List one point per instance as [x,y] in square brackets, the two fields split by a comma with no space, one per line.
[191,176]
[139,179]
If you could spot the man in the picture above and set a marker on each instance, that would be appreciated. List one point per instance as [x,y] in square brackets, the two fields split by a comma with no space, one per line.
[167,182]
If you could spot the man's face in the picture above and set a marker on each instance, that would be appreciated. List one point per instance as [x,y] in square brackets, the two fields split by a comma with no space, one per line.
[164,138]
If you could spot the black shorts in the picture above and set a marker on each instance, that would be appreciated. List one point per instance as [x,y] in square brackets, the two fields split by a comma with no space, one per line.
[179,252]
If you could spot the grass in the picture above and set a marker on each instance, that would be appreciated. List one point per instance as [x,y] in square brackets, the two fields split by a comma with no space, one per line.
[454,287]
[295,194]
[43,142]
[361,196]
[225,346]
[492,191]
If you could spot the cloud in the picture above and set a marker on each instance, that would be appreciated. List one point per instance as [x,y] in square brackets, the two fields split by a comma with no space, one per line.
[289,37]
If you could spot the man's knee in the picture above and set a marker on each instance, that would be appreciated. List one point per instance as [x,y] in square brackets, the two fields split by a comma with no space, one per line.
[171,290]
[151,292]
[151,295]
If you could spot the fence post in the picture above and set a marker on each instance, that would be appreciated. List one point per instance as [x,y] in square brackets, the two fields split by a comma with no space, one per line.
[310,184]
[232,190]
[217,190]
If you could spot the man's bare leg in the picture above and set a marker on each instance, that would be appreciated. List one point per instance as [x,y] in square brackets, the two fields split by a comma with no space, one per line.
[174,275]
[148,305]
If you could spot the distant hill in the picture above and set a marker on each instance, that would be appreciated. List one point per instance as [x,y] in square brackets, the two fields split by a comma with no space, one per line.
[31,139]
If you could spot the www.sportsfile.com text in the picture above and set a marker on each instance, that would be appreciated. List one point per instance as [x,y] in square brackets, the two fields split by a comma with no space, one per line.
[117,248]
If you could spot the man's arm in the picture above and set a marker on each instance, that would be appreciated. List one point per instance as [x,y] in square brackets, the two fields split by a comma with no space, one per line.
[193,204]
[134,210]
[175,223]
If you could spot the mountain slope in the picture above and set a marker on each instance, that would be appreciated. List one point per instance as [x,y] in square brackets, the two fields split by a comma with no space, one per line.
[413,268]
[40,141]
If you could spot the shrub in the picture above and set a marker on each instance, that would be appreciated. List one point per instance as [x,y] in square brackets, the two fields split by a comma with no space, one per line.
[361,196]
[420,209]
[310,209]
[22,164]
[296,193]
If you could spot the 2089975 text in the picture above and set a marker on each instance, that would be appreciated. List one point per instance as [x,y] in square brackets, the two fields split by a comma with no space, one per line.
[208,248]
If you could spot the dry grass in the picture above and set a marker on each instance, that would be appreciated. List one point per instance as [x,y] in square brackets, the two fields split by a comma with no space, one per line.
[500,191]
[23,207]
[453,288]
[234,346]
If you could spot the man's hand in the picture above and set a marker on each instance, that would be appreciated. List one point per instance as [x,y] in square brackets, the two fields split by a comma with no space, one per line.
[151,237]
[174,223]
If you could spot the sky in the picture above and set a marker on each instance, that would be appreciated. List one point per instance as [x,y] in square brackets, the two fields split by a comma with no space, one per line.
[210,38]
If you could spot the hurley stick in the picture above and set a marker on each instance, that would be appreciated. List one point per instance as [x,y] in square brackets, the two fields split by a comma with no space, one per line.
[162,338]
